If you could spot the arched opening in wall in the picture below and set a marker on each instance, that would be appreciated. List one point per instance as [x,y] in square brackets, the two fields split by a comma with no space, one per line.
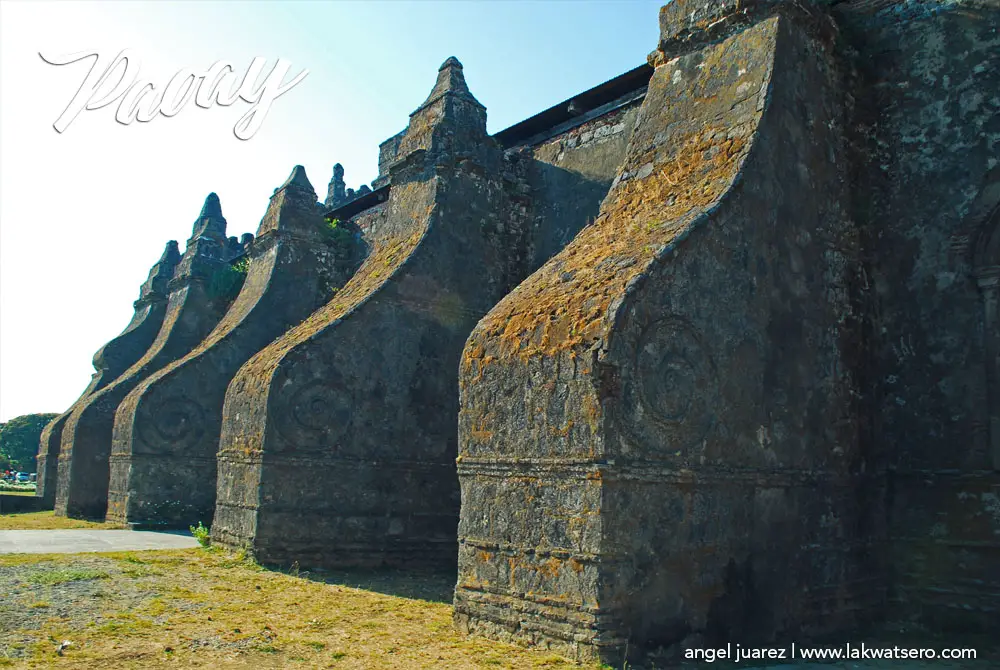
[986,271]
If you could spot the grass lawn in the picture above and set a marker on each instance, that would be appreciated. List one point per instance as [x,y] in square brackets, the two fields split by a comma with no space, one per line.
[18,493]
[44,521]
[207,608]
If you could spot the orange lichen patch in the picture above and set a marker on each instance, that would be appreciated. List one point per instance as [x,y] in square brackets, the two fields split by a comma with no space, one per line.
[467,361]
[697,124]
[479,426]
[576,565]
[564,431]
[563,305]
[578,524]
[549,568]
[471,355]
[591,411]
[248,444]
[473,583]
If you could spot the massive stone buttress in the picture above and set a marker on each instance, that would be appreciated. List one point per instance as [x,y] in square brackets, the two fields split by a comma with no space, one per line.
[111,360]
[166,431]
[191,312]
[658,433]
[338,441]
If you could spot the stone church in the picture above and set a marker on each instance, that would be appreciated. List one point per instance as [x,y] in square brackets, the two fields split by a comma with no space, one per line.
[710,351]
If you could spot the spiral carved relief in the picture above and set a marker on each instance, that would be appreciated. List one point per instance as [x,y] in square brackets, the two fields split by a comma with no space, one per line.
[314,414]
[673,389]
[176,422]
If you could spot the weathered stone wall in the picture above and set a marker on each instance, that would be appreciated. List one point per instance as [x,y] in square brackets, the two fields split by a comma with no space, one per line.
[191,312]
[931,123]
[387,154]
[339,441]
[569,177]
[658,432]
[110,361]
[370,222]
[166,431]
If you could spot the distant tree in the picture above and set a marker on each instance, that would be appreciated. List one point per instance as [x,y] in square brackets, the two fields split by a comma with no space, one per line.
[19,440]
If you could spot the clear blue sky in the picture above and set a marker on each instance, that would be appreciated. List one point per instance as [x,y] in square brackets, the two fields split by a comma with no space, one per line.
[83,214]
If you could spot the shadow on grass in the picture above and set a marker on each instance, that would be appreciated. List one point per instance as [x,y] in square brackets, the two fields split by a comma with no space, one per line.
[432,586]
[18,502]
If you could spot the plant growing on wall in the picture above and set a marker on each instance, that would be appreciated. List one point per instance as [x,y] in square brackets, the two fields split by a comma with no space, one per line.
[338,235]
[226,283]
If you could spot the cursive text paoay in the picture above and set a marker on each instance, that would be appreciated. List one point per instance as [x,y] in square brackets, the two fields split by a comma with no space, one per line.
[142,101]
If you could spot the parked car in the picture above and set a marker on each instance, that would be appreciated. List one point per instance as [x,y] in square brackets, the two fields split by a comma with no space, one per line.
[23,478]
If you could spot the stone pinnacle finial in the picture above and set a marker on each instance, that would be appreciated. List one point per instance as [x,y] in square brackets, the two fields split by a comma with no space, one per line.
[298,178]
[293,206]
[210,221]
[171,254]
[335,193]
[449,120]
[450,81]
[212,207]
[161,272]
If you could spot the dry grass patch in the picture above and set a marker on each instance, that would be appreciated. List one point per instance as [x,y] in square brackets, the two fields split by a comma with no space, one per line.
[193,608]
[45,521]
